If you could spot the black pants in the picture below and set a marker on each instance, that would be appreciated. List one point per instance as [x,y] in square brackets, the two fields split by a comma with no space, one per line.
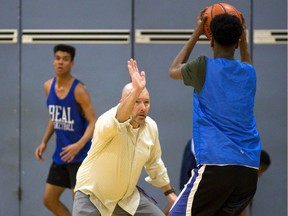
[217,191]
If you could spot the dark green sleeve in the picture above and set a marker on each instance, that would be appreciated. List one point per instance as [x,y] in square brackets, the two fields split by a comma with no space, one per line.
[194,73]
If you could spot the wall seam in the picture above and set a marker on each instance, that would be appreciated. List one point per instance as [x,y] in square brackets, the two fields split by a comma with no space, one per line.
[20,106]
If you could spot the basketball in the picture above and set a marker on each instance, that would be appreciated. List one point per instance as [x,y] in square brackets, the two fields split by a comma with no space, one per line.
[216,9]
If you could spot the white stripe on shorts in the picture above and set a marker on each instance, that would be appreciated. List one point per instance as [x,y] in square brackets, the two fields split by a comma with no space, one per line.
[194,189]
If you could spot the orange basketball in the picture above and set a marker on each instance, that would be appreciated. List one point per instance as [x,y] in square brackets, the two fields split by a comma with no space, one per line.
[216,9]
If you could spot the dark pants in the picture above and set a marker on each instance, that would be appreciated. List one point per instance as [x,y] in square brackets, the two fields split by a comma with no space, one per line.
[217,191]
[63,175]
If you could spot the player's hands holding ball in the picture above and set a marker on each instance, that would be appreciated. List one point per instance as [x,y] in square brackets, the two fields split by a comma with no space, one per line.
[200,20]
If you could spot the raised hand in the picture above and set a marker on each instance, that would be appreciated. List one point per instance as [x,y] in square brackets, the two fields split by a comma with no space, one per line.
[138,79]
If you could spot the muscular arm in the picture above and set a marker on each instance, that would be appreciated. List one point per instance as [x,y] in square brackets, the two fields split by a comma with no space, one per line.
[48,133]
[83,99]
[183,55]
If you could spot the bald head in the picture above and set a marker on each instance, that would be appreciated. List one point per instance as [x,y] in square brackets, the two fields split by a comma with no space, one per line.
[127,89]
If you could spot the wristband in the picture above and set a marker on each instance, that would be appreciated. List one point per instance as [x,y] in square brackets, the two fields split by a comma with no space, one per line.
[166,193]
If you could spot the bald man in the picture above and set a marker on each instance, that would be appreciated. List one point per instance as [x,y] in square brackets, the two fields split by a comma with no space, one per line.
[125,140]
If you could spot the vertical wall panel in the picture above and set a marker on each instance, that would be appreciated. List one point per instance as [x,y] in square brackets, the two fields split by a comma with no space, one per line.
[271,113]
[270,15]
[9,129]
[270,61]
[9,16]
[9,118]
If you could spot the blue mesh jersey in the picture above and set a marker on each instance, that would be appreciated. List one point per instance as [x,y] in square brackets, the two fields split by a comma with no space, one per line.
[68,121]
[224,126]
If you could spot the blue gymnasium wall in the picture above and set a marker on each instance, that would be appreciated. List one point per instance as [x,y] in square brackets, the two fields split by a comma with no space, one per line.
[26,62]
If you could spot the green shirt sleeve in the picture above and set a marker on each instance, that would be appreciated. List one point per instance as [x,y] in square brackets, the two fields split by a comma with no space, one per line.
[194,73]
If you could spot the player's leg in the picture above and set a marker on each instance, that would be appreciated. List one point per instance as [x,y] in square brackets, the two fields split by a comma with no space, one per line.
[82,206]
[206,191]
[216,190]
[56,183]
[243,193]
[52,200]
[183,204]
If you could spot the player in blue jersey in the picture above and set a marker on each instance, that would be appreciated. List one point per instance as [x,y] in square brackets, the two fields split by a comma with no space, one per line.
[72,118]
[226,143]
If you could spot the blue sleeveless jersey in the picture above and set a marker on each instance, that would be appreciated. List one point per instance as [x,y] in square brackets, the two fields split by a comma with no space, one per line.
[68,121]
[224,127]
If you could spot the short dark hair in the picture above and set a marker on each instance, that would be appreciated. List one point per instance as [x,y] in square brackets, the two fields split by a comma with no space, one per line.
[226,29]
[265,158]
[65,48]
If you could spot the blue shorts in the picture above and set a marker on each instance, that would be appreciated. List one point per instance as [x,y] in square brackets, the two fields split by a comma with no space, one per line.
[217,191]
[63,175]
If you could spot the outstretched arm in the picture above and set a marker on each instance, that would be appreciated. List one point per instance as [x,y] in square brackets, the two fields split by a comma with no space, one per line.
[131,92]
[183,55]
